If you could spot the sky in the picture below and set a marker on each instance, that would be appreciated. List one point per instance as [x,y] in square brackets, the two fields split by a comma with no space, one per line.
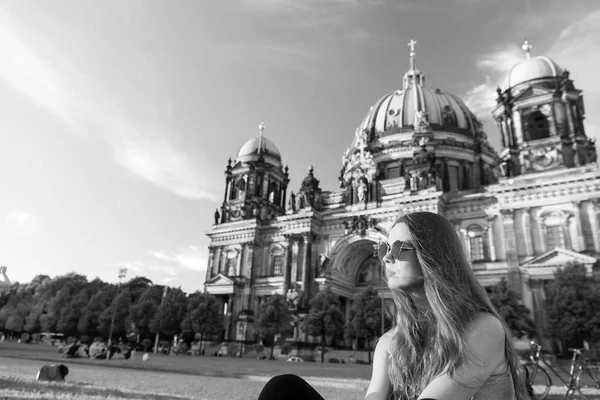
[117,117]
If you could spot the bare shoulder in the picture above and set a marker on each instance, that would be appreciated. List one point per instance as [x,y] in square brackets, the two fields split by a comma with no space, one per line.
[485,337]
[385,339]
[487,324]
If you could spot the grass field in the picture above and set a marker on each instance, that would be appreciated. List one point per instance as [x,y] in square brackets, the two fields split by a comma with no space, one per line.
[164,377]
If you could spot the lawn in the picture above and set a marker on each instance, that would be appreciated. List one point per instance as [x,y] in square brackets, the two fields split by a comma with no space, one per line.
[164,377]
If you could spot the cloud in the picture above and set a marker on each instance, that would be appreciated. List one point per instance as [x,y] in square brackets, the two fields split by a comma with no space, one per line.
[184,267]
[295,57]
[48,79]
[21,221]
[190,257]
[578,50]
[292,6]
[481,98]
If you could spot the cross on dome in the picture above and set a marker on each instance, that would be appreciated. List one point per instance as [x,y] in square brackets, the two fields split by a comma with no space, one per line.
[411,44]
[526,47]
[261,127]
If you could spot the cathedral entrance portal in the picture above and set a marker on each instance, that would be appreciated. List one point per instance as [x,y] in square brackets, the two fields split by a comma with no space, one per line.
[354,267]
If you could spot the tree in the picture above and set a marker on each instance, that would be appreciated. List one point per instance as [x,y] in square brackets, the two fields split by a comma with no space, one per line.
[572,306]
[143,311]
[324,318]
[508,304]
[116,315]
[204,316]
[365,318]
[274,319]
[71,313]
[88,322]
[170,314]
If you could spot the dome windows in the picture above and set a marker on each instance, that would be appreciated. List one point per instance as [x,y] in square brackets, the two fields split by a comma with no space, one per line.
[536,126]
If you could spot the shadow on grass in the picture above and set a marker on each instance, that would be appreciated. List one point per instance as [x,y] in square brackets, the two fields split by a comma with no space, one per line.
[75,390]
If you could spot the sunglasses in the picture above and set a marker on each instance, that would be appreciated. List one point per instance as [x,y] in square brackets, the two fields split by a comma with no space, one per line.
[394,250]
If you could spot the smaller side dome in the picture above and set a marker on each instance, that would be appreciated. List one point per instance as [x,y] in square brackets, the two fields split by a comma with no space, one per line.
[531,69]
[257,147]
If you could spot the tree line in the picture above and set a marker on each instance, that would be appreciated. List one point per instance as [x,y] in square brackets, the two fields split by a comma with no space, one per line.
[139,309]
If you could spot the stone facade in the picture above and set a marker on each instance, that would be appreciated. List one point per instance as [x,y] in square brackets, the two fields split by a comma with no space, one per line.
[521,213]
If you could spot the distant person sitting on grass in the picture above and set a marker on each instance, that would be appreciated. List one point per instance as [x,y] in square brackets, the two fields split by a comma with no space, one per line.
[52,373]
[450,343]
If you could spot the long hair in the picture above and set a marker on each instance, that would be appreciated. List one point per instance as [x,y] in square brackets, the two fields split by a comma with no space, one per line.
[455,298]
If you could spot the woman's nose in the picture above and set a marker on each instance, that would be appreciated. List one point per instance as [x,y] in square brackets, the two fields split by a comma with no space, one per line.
[387,259]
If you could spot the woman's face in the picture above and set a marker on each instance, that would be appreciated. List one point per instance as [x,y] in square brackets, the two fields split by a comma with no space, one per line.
[405,271]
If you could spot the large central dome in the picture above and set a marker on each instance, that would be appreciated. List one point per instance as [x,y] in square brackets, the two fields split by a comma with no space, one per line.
[445,112]
[414,105]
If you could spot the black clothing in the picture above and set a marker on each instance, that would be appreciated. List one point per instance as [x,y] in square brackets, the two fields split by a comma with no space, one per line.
[288,387]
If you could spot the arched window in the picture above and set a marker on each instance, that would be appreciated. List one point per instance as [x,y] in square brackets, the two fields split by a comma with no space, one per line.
[369,271]
[476,238]
[554,230]
[277,261]
[536,126]
[231,262]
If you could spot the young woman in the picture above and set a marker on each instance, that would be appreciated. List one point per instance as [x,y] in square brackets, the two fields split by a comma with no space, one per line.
[449,342]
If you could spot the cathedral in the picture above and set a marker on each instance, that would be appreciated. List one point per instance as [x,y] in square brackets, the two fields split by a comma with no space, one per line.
[521,212]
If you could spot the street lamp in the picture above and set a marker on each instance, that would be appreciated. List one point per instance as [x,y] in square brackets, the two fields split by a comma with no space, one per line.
[122,274]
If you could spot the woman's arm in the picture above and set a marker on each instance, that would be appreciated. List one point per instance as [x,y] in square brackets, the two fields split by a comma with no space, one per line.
[485,342]
[379,387]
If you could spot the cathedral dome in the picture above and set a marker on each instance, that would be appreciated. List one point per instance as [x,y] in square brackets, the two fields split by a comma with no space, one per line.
[259,146]
[399,109]
[531,69]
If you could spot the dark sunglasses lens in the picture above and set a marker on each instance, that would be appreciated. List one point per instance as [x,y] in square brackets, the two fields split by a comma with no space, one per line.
[397,247]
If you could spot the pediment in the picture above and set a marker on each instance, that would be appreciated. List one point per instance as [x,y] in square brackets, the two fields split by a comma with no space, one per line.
[559,257]
[220,280]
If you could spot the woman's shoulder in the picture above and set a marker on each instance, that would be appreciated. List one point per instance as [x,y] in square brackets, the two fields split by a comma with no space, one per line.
[485,338]
[487,323]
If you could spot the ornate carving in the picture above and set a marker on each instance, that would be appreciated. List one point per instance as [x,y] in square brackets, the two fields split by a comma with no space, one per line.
[323,265]
[359,225]
[421,122]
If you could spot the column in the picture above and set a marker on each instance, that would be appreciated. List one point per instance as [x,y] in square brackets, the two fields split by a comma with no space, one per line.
[249,260]
[241,261]
[286,267]
[294,264]
[491,239]
[306,268]
[578,236]
[569,111]
[512,260]
[211,261]
[536,231]
[518,124]
[590,226]
[216,261]
[228,317]
[570,235]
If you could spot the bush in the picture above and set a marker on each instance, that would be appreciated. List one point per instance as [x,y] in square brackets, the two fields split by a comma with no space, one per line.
[334,360]
[84,339]
[71,339]
[286,348]
[147,344]
[259,348]
[36,337]
[98,339]
[25,337]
